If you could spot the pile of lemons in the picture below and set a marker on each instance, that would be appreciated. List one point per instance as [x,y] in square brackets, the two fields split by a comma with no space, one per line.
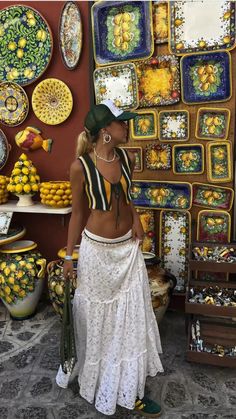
[56,194]
[4,180]
[24,178]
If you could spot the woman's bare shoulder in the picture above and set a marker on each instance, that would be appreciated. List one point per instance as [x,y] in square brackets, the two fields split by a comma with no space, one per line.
[76,166]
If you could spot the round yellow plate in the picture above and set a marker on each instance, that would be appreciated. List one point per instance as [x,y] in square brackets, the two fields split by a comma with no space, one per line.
[18,246]
[62,253]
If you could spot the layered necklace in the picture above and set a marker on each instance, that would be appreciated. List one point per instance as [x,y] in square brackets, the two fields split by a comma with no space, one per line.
[102,158]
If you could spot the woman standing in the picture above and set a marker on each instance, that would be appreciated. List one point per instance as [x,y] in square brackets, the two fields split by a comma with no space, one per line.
[116,333]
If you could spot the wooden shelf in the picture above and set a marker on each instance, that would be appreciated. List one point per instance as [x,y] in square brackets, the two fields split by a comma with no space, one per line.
[199,265]
[210,310]
[210,359]
[37,208]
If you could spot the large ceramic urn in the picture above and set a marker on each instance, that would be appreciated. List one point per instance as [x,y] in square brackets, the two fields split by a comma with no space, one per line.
[22,272]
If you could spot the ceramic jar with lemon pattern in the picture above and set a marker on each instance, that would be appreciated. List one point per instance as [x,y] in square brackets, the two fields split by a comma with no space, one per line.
[56,194]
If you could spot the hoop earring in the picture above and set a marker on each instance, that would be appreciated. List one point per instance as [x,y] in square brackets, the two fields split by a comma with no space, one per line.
[106,138]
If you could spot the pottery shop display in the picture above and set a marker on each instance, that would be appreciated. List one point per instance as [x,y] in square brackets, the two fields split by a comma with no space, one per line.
[24,181]
[212,123]
[30,139]
[70,34]
[144,125]
[219,161]
[21,278]
[14,104]
[4,180]
[56,194]
[122,31]
[26,44]
[52,101]
[173,126]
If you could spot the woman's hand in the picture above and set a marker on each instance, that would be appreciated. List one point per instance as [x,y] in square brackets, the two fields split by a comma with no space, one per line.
[68,269]
[137,230]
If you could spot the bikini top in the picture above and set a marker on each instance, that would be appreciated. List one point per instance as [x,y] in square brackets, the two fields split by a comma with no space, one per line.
[99,190]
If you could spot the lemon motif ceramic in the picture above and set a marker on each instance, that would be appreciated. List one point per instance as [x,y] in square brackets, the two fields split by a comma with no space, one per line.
[56,194]
[14,104]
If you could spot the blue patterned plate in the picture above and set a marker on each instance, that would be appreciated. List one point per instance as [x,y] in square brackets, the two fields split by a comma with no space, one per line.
[121,31]
[206,77]
[188,159]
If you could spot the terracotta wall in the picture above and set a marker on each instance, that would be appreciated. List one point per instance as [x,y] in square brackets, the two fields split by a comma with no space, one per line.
[48,230]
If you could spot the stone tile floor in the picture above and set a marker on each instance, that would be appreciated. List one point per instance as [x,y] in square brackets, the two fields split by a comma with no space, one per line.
[29,358]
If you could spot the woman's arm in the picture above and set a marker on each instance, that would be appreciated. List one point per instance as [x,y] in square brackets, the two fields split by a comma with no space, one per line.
[137,228]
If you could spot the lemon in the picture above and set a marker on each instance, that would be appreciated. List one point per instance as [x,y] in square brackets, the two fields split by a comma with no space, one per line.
[3,265]
[33,170]
[35,188]
[11,280]
[7,290]
[24,157]
[52,191]
[27,188]
[16,171]
[8,299]
[47,202]
[32,179]
[68,191]
[52,203]
[18,188]
[25,170]
[22,42]
[57,198]
[25,179]
[59,192]
[60,203]
[22,293]
[27,163]
[46,191]
[16,288]
[20,274]
[64,197]
[49,196]
[54,186]
[12,267]
[66,202]
[37,177]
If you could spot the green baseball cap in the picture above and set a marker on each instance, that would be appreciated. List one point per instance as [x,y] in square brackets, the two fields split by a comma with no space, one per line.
[103,114]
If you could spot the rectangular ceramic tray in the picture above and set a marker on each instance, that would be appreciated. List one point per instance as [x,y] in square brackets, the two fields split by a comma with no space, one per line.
[206,77]
[174,244]
[117,83]
[158,81]
[173,125]
[158,156]
[188,159]
[201,25]
[148,223]
[138,152]
[160,21]
[219,161]
[212,123]
[213,226]
[211,196]
[162,195]
[144,125]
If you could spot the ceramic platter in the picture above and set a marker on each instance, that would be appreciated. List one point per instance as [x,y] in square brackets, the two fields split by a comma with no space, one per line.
[206,77]
[213,226]
[14,233]
[147,220]
[160,21]
[144,125]
[158,81]
[214,197]
[18,246]
[162,195]
[25,44]
[70,34]
[14,104]
[174,244]
[138,155]
[158,156]
[52,101]
[212,123]
[173,126]
[219,161]
[188,159]
[117,83]
[121,31]
[4,149]
[201,25]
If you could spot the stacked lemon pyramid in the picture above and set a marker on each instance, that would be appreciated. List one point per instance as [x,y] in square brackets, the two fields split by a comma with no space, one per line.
[56,194]
[4,180]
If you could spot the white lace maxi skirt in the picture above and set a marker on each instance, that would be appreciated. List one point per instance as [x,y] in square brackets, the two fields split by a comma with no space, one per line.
[117,337]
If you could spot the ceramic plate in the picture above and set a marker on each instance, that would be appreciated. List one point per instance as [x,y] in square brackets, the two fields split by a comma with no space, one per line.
[4,149]
[147,220]
[26,44]
[14,104]
[212,123]
[52,101]
[201,25]
[219,161]
[173,125]
[122,31]
[213,226]
[117,83]
[158,156]
[138,153]
[70,34]
[210,196]
[160,21]
[206,77]
[14,233]
[188,159]
[162,195]
[144,125]
[158,81]
[174,244]
[18,246]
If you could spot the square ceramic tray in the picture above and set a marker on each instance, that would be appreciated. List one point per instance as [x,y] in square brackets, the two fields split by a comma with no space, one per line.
[213,226]
[175,229]
[212,123]
[158,156]
[158,81]
[117,83]
[144,125]
[211,196]
[206,77]
[162,195]
[160,21]
[122,31]
[138,153]
[148,223]
[219,161]
[188,159]
[173,125]
[201,25]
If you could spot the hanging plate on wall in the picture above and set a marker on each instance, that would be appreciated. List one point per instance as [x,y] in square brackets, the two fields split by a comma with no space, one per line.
[14,104]
[4,149]
[70,35]
[52,101]
[26,44]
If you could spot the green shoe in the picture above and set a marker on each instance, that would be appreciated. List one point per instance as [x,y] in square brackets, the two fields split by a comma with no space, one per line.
[148,408]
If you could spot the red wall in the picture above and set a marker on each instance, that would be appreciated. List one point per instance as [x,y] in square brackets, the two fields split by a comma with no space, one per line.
[48,230]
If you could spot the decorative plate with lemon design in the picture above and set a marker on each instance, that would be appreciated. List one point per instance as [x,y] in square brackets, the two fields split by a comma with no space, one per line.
[188,159]
[219,161]
[144,125]
[14,104]
[212,196]
[212,123]
[173,126]
[13,234]
[52,101]
[25,44]
[158,156]
[18,246]
[213,226]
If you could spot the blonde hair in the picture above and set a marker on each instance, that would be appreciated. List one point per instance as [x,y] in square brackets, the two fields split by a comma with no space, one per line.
[84,143]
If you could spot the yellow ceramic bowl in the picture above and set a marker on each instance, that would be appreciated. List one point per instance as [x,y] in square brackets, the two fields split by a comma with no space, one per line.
[56,194]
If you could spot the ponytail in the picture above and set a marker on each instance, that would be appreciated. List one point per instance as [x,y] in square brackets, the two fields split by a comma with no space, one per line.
[84,144]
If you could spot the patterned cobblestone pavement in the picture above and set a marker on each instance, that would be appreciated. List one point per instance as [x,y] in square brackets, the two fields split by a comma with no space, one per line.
[29,358]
